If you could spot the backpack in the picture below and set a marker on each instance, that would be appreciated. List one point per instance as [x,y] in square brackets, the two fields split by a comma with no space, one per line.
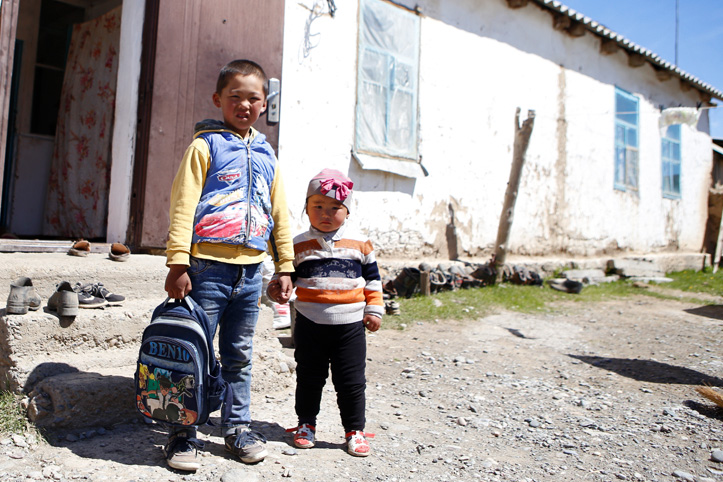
[178,379]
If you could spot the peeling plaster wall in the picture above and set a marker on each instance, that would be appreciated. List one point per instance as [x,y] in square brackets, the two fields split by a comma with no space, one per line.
[479,62]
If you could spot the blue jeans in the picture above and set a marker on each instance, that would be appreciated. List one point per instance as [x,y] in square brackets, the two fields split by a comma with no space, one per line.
[229,294]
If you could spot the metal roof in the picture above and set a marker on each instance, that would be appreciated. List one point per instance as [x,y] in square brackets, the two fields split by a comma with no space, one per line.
[604,32]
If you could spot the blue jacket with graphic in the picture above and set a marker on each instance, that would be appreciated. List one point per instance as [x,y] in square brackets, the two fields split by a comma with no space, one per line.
[235,204]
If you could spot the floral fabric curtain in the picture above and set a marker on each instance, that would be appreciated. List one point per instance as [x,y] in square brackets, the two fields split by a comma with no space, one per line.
[77,200]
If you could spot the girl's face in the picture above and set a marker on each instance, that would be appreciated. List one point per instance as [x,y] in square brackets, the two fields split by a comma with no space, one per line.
[326,214]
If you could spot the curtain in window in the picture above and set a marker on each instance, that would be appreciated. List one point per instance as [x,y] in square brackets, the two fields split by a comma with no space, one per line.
[77,199]
[387,80]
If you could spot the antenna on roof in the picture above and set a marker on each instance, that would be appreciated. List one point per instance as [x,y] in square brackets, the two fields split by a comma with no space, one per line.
[676,32]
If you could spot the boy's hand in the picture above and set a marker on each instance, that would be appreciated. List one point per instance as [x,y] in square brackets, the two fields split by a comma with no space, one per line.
[286,287]
[178,284]
[372,323]
[273,290]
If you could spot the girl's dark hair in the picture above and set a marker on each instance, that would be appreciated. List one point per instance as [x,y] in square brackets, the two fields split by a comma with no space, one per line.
[241,67]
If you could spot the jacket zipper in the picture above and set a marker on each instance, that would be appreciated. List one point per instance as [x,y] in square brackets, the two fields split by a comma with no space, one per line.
[248,194]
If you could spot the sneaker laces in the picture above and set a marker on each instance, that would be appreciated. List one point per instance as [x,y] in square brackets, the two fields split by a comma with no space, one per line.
[182,444]
[248,437]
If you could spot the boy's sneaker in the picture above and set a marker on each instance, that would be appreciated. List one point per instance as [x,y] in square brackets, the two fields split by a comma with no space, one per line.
[248,445]
[100,291]
[304,435]
[356,443]
[86,299]
[182,452]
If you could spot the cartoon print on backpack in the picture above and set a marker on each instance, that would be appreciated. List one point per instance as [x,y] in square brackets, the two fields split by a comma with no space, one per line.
[162,399]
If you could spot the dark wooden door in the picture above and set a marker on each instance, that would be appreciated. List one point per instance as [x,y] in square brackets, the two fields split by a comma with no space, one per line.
[186,43]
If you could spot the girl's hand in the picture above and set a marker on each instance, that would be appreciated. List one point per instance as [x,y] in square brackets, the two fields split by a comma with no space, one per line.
[372,323]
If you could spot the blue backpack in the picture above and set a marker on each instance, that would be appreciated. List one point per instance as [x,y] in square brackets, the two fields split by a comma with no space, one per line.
[178,379]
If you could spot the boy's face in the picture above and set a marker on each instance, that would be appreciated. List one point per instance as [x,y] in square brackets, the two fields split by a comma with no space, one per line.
[326,214]
[242,101]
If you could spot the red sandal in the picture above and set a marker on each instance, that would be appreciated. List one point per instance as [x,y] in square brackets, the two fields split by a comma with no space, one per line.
[356,443]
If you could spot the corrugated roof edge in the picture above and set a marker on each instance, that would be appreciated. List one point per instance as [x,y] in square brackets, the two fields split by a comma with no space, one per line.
[604,32]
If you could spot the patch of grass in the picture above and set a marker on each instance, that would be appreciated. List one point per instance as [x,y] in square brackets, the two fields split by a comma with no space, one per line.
[473,303]
[12,416]
[704,281]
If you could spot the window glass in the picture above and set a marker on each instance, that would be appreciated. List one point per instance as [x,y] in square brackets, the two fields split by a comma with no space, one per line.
[386,113]
[626,140]
[671,160]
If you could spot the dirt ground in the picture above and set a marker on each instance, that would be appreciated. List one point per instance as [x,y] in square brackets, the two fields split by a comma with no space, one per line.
[594,392]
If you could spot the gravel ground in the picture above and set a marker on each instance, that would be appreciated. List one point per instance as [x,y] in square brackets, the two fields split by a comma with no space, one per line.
[594,392]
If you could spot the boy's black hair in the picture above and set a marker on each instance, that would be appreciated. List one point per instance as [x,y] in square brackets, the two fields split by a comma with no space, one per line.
[241,67]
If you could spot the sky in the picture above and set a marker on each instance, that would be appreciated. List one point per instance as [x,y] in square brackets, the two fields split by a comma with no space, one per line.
[651,24]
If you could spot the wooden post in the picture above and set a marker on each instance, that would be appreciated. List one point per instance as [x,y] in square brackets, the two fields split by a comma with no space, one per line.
[717,253]
[424,286]
[522,140]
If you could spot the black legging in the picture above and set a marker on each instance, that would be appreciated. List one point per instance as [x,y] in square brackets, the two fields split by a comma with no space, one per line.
[344,348]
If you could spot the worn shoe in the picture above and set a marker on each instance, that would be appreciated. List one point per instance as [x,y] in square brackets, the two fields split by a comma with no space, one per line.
[100,291]
[64,300]
[86,298]
[248,445]
[80,248]
[119,252]
[304,435]
[392,308]
[22,297]
[182,452]
[356,443]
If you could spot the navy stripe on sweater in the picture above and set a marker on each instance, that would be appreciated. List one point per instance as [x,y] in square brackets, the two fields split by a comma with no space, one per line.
[329,268]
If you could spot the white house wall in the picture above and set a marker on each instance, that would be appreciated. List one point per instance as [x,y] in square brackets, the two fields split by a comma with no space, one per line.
[479,62]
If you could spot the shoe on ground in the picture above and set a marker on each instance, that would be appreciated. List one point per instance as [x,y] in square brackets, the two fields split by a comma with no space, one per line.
[86,298]
[246,444]
[566,285]
[80,248]
[304,436]
[392,308]
[356,443]
[64,300]
[22,297]
[119,252]
[182,452]
[100,291]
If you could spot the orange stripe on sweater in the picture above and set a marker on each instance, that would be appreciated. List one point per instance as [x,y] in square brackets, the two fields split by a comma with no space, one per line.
[330,296]
[374,298]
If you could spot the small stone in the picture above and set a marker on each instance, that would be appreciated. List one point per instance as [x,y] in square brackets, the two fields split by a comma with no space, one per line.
[717,456]
[461,422]
[534,423]
[19,441]
[71,437]
[289,451]
[682,475]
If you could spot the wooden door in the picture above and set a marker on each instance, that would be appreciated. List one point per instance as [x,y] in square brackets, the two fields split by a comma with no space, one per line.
[186,44]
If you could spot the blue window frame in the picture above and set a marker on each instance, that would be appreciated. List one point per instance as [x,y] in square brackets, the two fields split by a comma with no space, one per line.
[626,140]
[386,107]
[670,155]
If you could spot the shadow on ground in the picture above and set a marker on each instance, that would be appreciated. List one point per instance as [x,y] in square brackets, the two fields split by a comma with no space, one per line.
[709,311]
[651,371]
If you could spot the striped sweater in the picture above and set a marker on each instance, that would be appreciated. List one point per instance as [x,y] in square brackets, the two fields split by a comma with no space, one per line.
[336,276]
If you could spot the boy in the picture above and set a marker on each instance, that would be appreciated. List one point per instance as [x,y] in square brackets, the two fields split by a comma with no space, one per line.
[338,294]
[227,207]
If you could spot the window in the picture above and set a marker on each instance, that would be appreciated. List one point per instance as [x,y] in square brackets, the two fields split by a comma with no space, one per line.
[670,155]
[388,65]
[626,141]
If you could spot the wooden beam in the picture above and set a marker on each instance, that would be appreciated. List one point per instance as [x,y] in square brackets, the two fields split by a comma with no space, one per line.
[663,74]
[635,60]
[561,22]
[517,3]
[609,46]
[576,29]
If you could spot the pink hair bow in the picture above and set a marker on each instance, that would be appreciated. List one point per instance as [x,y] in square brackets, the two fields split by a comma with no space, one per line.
[342,187]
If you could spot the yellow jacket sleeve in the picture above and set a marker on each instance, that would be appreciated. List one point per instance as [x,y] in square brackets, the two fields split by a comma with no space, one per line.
[281,246]
[185,194]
